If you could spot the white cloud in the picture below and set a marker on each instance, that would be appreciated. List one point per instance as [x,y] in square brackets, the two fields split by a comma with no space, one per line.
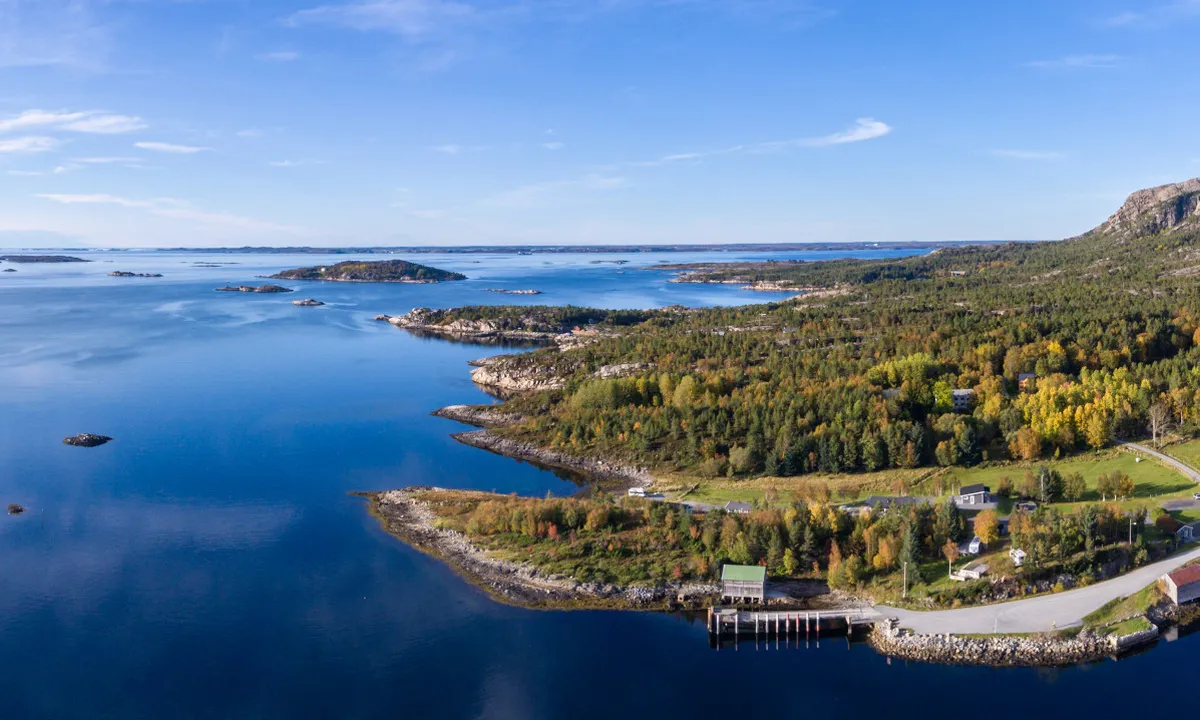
[1077,62]
[29,144]
[1124,19]
[1027,154]
[171,208]
[279,56]
[296,163]
[554,145]
[250,133]
[170,148]
[863,129]
[90,121]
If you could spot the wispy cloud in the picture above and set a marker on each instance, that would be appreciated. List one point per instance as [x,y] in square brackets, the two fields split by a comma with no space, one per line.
[89,121]
[408,18]
[1125,19]
[554,145]
[1154,16]
[29,144]
[296,163]
[279,56]
[455,149]
[171,208]
[1077,62]
[250,133]
[527,195]
[863,129]
[52,32]
[170,148]
[104,160]
[1026,154]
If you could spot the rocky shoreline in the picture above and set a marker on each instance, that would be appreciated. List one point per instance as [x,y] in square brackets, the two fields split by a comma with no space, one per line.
[600,470]
[254,289]
[410,519]
[1047,650]
[478,415]
[422,319]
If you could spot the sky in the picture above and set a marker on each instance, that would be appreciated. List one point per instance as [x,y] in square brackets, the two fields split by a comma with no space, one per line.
[165,123]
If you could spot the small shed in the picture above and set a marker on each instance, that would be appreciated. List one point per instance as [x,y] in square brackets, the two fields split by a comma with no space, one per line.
[743,582]
[735,506]
[1183,585]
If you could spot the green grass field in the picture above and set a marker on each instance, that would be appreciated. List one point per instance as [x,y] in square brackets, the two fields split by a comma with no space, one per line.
[1152,480]
[1188,452]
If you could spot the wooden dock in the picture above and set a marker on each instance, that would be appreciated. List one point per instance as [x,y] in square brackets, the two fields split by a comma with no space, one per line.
[787,623]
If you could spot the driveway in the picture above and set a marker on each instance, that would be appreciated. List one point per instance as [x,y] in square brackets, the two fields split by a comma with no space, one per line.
[1037,614]
[1187,470]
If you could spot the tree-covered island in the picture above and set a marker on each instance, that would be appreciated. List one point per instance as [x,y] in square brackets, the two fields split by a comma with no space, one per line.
[371,271]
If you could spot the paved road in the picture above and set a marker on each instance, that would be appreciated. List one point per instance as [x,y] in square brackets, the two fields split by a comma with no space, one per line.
[1188,471]
[1037,614]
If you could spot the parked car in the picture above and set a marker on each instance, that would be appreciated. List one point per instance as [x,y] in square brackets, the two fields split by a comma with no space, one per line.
[975,546]
[1196,496]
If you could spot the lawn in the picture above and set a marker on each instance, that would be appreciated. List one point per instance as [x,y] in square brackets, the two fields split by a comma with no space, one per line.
[1151,479]
[1188,452]
[1125,610]
[843,488]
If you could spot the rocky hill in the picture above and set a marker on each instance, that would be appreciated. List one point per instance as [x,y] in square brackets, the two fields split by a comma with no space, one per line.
[1155,210]
[382,271]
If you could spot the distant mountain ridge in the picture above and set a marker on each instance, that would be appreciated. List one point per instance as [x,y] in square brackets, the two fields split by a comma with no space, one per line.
[1155,210]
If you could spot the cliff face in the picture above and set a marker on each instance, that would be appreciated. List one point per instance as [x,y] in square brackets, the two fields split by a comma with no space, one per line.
[1155,210]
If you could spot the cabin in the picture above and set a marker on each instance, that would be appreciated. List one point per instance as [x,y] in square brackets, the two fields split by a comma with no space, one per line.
[962,400]
[1182,585]
[1026,506]
[977,494]
[1185,533]
[741,583]
[972,571]
[741,508]
[1026,382]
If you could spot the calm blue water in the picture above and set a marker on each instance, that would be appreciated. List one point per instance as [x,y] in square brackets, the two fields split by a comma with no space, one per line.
[209,562]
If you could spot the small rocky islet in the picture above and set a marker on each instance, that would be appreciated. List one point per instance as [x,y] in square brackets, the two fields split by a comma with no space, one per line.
[255,289]
[307,302]
[86,440]
[15,509]
[127,274]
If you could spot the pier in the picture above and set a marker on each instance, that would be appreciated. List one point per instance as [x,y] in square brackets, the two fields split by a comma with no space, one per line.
[724,622]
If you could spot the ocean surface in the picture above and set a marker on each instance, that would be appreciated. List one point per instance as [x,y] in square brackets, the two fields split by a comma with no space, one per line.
[211,563]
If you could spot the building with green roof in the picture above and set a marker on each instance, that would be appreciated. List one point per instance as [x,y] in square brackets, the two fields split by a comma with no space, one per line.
[740,583]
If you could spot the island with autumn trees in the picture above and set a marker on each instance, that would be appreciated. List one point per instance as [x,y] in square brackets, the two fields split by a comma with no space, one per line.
[847,424]
[371,271]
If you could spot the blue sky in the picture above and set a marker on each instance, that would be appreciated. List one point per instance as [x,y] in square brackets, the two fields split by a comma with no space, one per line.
[429,122]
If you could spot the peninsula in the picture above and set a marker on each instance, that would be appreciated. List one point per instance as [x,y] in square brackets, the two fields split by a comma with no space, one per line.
[975,416]
[379,271]
[42,259]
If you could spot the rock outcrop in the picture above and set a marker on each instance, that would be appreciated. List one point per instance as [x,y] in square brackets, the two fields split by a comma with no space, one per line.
[437,321]
[1155,210]
[309,302]
[593,468]
[15,509]
[503,291]
[478,415]
[86,440]
[124,273]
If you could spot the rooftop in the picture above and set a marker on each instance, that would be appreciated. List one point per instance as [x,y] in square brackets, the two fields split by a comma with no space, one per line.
[744,573]
[972,489]
[1185,575]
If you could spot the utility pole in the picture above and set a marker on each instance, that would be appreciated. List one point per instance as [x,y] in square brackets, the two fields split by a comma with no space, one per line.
[905,579]
[1130,531]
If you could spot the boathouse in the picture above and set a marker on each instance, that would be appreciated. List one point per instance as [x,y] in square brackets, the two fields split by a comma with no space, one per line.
[1183,585]
[743,582]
